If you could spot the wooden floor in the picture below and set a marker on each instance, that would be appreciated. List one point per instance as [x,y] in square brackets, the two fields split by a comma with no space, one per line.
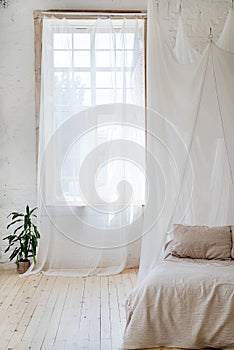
[63,313]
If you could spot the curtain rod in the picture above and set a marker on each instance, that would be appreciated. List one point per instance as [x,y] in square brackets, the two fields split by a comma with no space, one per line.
[142,14]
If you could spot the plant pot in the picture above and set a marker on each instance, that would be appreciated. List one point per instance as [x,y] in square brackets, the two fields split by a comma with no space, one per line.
[23,266]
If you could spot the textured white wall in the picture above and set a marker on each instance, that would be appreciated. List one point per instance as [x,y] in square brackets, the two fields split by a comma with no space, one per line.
[198,17]
[17,105]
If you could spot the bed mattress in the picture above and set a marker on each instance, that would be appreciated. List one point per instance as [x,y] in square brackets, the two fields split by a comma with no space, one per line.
[182,303]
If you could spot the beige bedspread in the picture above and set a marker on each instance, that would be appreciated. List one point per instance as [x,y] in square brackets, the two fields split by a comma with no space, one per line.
[183,303]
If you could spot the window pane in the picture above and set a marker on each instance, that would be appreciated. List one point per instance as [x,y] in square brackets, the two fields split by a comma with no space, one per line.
[62,41]
[62,59]
[124,58]
[82,41]
[105,59]
[105,79]
[68,97]
[114,79]
[64,97]
[124,40]
[123,79]
[105,96]
[65,112]
[82,79]
[61,117]
[86,98]
[104,41]
[82,58]
[96,71]
[123,96]
[63,80]
[112,59]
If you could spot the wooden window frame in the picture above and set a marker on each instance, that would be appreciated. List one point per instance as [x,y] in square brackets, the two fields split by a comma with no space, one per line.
[76,14]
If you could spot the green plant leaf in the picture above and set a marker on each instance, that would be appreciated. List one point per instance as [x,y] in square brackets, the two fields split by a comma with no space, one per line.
[25,247]
[9,237]
[17,260]
[37,233]
[14,222]
[31,211]
[26,235]
[16,215]
[14,253]
[27,222]
[22,233]
[6,250]
[18,228]
[34,243]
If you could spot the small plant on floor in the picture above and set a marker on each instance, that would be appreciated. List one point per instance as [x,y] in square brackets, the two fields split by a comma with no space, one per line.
[25,238]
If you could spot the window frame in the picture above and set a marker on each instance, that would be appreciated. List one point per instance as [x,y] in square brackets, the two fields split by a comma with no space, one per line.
[78,14]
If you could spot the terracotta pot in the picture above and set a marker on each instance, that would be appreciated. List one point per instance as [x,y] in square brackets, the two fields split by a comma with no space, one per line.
[23,266]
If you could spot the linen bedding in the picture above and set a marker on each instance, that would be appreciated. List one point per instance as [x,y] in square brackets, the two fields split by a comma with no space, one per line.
[185,303]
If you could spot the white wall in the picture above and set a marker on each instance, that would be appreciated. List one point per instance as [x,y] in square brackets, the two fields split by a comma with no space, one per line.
[17,105]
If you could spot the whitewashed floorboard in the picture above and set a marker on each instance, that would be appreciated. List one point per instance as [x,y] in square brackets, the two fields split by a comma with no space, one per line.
[63,313]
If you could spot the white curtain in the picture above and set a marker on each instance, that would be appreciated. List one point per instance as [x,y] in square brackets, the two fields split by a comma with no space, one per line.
[183,51]
[226,38]
[190,128]
[91,149]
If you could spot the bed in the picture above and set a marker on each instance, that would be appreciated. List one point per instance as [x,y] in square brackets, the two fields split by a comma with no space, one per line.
[183,303]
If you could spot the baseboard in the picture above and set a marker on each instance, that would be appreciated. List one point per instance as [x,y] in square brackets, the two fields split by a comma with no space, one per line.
[7,266]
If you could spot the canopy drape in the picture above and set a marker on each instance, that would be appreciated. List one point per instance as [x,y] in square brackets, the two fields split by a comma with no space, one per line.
[191,127]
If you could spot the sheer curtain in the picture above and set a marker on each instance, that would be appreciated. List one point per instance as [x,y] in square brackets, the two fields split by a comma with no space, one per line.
[91,180]
[190,126]
[183,51]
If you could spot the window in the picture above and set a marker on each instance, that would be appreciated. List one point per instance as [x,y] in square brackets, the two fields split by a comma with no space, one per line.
[92,62]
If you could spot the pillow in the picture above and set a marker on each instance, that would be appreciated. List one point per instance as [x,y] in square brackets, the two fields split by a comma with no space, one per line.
[168,248]
[202,242]
[232,253]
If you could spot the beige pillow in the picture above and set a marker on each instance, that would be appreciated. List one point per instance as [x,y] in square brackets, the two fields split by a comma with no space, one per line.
[168,248]
[202,242]
[232,253]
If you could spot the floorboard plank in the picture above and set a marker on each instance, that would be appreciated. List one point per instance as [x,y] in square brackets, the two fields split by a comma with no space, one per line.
[105,315]
[9,311]
[70,319]
[36,327]
[89,332]
[63,313]
[5,278]
[114,314]
[24,311]
[50,318]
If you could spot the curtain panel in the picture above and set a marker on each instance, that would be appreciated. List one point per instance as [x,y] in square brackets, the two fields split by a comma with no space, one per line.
[190,98]
[91,166]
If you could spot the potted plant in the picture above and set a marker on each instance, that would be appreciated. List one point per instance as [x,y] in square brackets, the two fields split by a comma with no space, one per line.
[24,238]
